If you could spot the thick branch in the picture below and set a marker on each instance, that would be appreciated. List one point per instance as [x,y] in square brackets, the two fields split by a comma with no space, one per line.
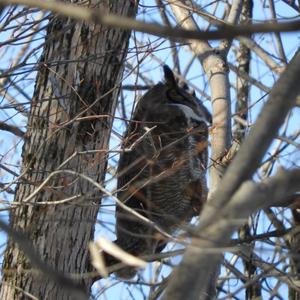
[191,278]
[221,216]
[216,70]
[115,21]
[281,100]
[12,129]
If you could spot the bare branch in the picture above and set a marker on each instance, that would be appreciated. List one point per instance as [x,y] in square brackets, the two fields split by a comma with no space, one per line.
[192,277]
[281,100]
[216,71]
[292,4]
[232,19]
[280,47]
[12,129]
[262,53]
[95,16]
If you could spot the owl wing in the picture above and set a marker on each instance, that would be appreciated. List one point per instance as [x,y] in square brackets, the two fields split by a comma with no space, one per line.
[133,170]
[197,190]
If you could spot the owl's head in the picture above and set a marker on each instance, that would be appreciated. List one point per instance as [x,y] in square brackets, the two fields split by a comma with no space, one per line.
[181,97]
[169,98]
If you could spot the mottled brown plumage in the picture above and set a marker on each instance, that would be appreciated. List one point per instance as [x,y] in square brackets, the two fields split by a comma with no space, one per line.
[163,176]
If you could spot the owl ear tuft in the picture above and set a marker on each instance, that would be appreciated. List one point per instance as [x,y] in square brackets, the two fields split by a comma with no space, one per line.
[169,76]
[193,93]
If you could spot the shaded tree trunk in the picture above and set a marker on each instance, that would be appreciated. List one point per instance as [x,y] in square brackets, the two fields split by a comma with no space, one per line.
[78,76]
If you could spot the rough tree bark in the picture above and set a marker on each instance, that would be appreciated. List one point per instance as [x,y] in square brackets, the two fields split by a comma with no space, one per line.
[78,76]
[294,244]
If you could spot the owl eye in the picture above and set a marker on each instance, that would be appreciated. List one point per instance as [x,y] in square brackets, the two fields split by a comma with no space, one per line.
[185,87]
[174,96]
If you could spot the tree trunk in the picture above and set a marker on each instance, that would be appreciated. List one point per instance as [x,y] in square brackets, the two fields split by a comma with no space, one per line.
[79,75]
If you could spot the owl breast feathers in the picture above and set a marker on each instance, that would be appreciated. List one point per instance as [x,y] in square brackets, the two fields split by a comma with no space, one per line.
[161,175]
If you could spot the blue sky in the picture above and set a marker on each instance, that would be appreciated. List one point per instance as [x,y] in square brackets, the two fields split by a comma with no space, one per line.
[150,61]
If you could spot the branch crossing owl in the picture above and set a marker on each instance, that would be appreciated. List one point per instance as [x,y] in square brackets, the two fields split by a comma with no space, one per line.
[162,171]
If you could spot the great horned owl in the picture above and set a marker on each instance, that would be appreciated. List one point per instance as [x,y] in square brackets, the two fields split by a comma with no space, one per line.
[161,173]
